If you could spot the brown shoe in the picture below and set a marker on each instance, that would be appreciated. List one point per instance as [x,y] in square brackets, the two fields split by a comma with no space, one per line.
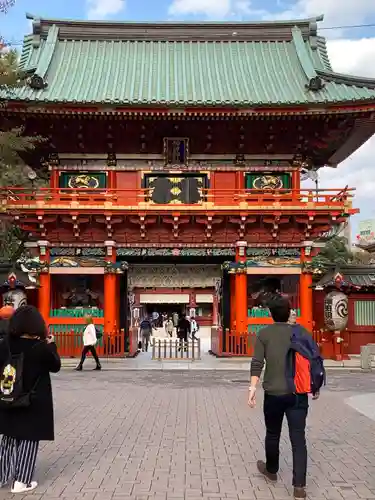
[299,492]
[263,470]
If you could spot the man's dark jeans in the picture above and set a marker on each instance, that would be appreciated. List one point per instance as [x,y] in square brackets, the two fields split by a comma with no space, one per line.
[295,408]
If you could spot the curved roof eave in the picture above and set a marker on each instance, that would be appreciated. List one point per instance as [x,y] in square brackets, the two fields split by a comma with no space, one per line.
[357,81]
[276,23]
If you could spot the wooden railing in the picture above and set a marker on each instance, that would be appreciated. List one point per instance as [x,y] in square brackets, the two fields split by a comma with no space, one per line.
[176,349]
[133,341]
[70,344]
[231,343]
[90,199]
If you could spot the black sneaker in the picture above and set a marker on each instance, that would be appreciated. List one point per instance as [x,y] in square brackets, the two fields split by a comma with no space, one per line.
[263,470]
[78,368]
[98,367]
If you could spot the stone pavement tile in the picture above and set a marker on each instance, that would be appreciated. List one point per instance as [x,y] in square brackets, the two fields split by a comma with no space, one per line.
[190,436]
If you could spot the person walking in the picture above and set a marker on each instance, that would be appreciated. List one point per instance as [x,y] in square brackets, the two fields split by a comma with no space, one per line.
[89,342]
[175,318]
[194,328]
[273,348]
[183,330]
[27,357]
[169,326]
[146,330]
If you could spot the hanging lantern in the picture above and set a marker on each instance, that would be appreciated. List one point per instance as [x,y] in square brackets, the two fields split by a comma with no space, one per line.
[336,311]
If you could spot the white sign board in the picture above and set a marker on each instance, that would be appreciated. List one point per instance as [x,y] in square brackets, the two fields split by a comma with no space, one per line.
[367,231]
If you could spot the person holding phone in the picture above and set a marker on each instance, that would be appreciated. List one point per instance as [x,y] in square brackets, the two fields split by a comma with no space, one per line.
[27,357]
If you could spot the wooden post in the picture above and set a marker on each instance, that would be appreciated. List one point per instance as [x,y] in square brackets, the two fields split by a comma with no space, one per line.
[306,294]
[232,324]
[110,296]
[215,310]
[296,183]
[55,177]
[241,290]
[44,291]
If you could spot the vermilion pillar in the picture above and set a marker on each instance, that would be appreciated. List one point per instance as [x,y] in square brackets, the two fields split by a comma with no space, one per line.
[232,302]
[54,180]
[110,295]
[306,294]
[241,290]
[44,291]
[215,310]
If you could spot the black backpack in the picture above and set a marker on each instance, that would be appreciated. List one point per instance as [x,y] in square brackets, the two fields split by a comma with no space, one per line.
[12,393]
[99,333]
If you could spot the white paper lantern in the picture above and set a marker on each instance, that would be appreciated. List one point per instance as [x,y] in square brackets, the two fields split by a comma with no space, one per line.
[336,311]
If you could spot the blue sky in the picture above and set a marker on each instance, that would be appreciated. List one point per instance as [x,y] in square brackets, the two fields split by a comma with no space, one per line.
[14,25]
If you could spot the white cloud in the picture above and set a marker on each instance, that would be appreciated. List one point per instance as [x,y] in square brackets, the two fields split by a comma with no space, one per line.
[355,57]
[100,9]
[214,9]
[209,8]
[344,12]
[358,171]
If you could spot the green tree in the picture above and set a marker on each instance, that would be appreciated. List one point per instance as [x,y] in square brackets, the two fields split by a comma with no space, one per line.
[5,4]
[335,253]
[13,145]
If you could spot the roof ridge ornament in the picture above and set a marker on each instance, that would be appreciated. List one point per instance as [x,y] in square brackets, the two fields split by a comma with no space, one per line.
[315,83]
[36,82]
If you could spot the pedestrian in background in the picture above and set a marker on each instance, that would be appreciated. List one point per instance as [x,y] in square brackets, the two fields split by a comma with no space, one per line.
[89,342]
[146,330]
[169,326]
[183,331]
[27,357]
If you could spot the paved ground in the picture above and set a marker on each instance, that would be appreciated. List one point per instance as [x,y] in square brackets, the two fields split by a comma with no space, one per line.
[126,435]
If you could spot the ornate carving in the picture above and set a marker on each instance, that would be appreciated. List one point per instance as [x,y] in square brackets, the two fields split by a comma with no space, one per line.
[176,150]
[175,252]
[273,252]
[54,160]
[178,276]
[83,181]
[36,82]
[71,252]
[240,160]
[115,267]
[111,160]
[80,261]
[35,265]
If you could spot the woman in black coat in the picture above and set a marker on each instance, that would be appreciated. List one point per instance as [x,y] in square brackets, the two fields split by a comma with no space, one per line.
[23,428]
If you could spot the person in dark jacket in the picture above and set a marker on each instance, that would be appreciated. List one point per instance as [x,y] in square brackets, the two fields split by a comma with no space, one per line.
[183,330]
[23,428]
[271,349]
[6,313]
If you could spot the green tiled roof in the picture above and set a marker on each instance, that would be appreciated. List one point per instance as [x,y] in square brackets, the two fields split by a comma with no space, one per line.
[217,64]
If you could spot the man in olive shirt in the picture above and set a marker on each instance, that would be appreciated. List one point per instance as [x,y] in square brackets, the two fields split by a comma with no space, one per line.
[272,346]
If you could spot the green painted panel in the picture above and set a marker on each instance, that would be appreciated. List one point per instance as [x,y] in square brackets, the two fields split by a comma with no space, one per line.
[76,313]
[78,180]
[263,313]
[266,181]
[364,312]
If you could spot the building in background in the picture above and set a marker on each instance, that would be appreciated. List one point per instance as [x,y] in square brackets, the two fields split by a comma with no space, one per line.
[366,235]
[175,152]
